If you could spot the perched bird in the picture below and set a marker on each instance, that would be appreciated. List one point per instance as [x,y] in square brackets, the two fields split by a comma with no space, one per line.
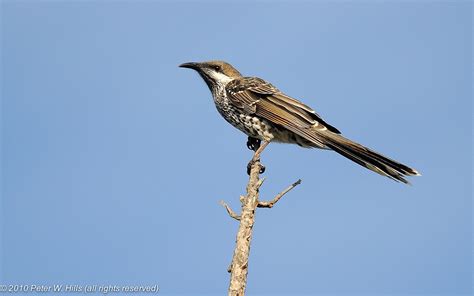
[264,113]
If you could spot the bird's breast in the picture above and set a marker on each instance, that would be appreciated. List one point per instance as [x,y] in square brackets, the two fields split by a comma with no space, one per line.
[250,124]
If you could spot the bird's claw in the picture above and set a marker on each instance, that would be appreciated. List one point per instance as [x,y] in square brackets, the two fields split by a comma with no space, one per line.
[249,167]
[253,143]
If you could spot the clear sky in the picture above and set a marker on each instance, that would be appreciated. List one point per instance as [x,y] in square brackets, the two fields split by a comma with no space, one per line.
[114,159]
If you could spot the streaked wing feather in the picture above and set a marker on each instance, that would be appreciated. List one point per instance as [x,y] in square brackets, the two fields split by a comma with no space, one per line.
[265,89]
[292,109]
[280,116]
[268,110]
[248,93]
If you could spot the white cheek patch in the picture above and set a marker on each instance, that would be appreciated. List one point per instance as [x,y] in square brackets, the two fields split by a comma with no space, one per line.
[219,77]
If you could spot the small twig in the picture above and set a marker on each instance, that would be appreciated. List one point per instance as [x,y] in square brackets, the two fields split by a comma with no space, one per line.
[231,213]
[270,204]
[260,182]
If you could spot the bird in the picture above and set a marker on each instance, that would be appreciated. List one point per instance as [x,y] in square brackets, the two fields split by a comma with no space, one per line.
[264,113]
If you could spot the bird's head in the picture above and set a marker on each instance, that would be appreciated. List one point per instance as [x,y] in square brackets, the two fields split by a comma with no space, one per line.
[214,73]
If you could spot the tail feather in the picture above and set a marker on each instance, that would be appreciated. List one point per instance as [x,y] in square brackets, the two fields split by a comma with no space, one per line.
[368,158]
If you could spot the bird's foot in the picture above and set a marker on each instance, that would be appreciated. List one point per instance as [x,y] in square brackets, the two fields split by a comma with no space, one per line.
[249,167]
[253,143]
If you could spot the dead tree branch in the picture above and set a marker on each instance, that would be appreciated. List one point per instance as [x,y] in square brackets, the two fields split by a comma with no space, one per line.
[239,265]
[271,203]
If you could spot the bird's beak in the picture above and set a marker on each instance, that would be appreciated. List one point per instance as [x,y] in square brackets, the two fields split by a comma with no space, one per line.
[194,66]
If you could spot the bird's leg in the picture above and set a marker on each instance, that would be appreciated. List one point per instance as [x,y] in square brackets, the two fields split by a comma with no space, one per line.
[253,143]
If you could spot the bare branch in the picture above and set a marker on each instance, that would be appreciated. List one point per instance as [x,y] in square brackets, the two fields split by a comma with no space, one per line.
[238,268]
[259,151]
[231,213]
[270,204]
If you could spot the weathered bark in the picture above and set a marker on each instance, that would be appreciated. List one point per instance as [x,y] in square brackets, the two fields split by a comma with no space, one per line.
[239,265]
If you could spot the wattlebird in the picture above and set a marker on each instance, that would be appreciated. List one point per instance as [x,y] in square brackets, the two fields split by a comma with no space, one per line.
[264,113]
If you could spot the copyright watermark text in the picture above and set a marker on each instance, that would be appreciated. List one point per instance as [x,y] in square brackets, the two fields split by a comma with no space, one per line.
[59,288]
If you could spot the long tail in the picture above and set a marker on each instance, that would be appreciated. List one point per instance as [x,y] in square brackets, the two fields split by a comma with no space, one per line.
[368,158]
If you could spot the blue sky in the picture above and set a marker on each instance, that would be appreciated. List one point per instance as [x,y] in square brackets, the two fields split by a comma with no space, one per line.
[114,159]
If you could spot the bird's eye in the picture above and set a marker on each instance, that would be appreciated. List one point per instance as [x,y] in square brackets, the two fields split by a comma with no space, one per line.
[217,68]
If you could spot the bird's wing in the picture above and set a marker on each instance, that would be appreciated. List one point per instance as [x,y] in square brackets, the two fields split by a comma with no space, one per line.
[256,96]
[259,97]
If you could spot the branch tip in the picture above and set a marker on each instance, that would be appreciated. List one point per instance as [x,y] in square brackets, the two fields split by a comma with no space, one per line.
[271,203]
[231,213]
[260,182]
